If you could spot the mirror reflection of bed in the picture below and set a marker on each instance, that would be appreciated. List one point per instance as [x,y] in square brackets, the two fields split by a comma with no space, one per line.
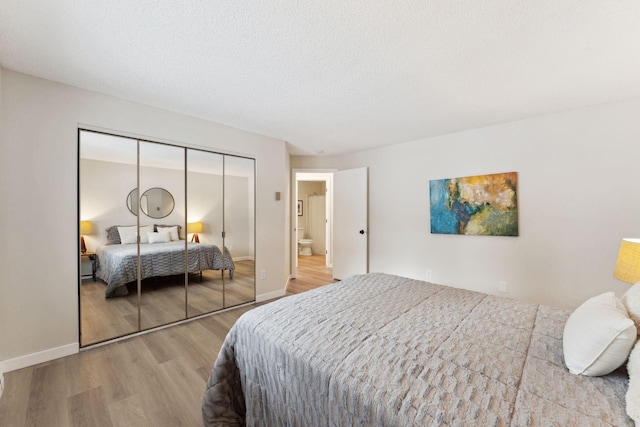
[151,190]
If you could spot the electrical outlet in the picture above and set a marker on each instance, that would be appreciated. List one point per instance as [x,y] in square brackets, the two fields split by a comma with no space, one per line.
[428,275]
[502,286]
[263,274]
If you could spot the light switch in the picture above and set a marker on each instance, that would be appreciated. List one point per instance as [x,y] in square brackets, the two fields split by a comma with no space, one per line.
[277,195]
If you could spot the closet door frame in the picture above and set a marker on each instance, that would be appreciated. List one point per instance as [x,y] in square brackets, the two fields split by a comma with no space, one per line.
[186,149]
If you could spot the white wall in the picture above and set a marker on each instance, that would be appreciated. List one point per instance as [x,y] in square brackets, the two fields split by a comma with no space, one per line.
[578,196]
[38,187]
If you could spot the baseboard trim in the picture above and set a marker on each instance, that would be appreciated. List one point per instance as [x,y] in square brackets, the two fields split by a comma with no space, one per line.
[270,295]
[39,357]
[243,258]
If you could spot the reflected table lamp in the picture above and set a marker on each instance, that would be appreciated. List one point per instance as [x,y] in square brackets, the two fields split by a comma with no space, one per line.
[85,230]
[628,263]
[195,228]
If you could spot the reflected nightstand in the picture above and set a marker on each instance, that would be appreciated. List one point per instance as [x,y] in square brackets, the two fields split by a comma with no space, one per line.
[93,258]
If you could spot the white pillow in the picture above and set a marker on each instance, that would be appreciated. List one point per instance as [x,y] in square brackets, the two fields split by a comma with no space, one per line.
[159,237]
[598,336]
[128,235]
[631,301]
[633,392]
[143,233]
[173,232]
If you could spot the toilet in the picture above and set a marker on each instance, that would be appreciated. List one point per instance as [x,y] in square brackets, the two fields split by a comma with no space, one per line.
[304,245]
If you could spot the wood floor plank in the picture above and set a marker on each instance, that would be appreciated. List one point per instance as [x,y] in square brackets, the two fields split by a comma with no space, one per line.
[157,379]
[312,273]
[14,401]
[115,373]
[153,387]
[89,409]
[128,413]
[187,389]
[47,396]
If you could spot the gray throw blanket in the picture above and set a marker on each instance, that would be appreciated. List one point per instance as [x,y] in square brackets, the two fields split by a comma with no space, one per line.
[383,350]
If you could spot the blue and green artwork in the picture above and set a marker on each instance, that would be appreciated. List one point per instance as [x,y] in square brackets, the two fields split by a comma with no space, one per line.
[483,205]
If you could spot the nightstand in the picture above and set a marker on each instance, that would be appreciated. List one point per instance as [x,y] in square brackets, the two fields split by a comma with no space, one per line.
[93,258]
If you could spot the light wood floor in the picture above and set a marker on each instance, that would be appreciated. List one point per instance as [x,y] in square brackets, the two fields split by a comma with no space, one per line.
[156,379]
[312,273]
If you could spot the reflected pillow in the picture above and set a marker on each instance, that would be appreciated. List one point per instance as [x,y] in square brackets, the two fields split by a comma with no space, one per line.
[143,233]
[113,237]
[159,237]
[631,301]
[174,230]
[128,235]
[598,336]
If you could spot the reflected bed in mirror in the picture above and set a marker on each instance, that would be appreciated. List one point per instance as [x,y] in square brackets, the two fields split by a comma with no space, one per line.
[118,264]
[155,202]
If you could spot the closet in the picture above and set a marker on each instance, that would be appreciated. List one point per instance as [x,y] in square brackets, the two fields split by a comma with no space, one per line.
[166,233]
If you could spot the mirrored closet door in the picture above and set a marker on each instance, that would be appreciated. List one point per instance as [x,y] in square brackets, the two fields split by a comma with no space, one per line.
[205,226]
[166,233]
[161,218]
[107,174]
[239,239]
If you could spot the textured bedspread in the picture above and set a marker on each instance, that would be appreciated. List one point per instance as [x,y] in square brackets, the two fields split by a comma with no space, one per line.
[389,351]
[118,264]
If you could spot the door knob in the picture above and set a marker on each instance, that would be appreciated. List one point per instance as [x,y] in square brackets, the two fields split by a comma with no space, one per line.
[361,231]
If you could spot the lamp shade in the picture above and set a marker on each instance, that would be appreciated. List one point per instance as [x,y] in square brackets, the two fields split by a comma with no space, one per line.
[85,227]
[194,227]
[628,264]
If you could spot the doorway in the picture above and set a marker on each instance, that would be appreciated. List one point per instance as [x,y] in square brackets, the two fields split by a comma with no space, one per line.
[347,247]
[312,240]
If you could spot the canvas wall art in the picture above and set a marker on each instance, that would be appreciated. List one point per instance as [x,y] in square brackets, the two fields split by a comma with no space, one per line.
[483,205]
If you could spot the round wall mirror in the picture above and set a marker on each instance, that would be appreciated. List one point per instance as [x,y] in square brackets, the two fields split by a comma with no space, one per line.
[155,202]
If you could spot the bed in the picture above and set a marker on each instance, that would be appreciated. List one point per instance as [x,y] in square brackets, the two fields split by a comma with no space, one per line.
[384,350]
[117,263]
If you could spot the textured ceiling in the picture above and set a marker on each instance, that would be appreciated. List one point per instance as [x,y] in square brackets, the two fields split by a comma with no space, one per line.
[335,76]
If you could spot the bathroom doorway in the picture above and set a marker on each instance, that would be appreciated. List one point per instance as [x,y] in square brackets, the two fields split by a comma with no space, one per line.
[312,223]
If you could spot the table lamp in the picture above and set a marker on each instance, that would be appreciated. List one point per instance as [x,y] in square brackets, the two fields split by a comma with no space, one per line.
[628,263]
[195,228]
[85,230]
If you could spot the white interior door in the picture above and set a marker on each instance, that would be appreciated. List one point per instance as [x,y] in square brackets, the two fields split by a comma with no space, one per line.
[350,222]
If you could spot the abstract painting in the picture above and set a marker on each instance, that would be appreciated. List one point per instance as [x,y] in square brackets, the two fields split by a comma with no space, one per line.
[483,205]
